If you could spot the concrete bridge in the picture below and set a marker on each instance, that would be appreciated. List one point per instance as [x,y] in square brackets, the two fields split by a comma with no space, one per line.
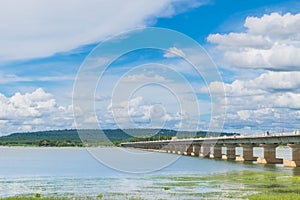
[212,147]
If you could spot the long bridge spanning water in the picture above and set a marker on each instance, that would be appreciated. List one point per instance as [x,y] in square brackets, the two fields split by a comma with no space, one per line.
[212,147]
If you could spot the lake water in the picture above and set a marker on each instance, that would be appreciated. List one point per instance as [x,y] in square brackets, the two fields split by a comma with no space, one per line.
[74,172]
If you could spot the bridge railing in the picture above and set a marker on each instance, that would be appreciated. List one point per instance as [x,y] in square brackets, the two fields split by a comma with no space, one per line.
[260,135]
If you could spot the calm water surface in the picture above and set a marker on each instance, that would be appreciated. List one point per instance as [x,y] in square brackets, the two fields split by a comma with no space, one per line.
[73,172]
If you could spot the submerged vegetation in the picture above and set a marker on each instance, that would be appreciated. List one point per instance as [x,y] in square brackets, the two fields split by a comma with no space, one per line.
[109,137]
[252,185]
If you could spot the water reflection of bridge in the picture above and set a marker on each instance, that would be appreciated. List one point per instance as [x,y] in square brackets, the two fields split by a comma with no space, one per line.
[212,147]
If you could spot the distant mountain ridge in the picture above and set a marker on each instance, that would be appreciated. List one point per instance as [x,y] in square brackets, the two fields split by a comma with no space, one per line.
[95,137]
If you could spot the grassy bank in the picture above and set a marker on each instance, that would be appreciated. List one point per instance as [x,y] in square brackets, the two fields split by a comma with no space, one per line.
[33,198]
[253,185]
[264,185]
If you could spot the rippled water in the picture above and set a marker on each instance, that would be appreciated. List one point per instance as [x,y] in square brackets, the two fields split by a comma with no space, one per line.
[73,172]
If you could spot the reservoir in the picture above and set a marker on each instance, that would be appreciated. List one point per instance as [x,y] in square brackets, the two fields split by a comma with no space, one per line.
[74,172]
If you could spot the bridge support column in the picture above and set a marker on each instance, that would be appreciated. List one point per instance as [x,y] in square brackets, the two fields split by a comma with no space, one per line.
[189,150]
[295,162]
[169,148]
[230,152]
[269,155]
[156,147]
[149,147]
[165,148]
[217,151]
[196,150]
[161,148]
[205,150]
[173,149]
[247,153]
[181,149]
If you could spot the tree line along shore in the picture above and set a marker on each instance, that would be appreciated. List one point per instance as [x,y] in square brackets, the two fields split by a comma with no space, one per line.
[96,137]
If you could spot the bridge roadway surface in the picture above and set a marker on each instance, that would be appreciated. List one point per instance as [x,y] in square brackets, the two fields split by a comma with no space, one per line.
[280,139]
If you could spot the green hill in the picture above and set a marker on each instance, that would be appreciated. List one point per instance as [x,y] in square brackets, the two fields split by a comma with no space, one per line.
[108,137]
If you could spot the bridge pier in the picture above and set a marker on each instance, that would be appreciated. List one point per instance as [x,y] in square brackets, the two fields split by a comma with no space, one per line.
[156,147]
[165,148]
[173,149]
[269,155]
[217,151]
[295,162]
[162,148]
[189,150]
[230,152]
[205,150]
[185,150]
[247,153]
[181,149]
[168,148]
[196,150]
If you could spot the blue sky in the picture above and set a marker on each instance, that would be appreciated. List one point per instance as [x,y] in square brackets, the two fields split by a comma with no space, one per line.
[253,44]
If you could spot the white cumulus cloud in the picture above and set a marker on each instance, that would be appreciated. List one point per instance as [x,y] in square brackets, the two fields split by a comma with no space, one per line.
[39,28]
[263,103]
[270,42]
[264,95]
[32,111]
